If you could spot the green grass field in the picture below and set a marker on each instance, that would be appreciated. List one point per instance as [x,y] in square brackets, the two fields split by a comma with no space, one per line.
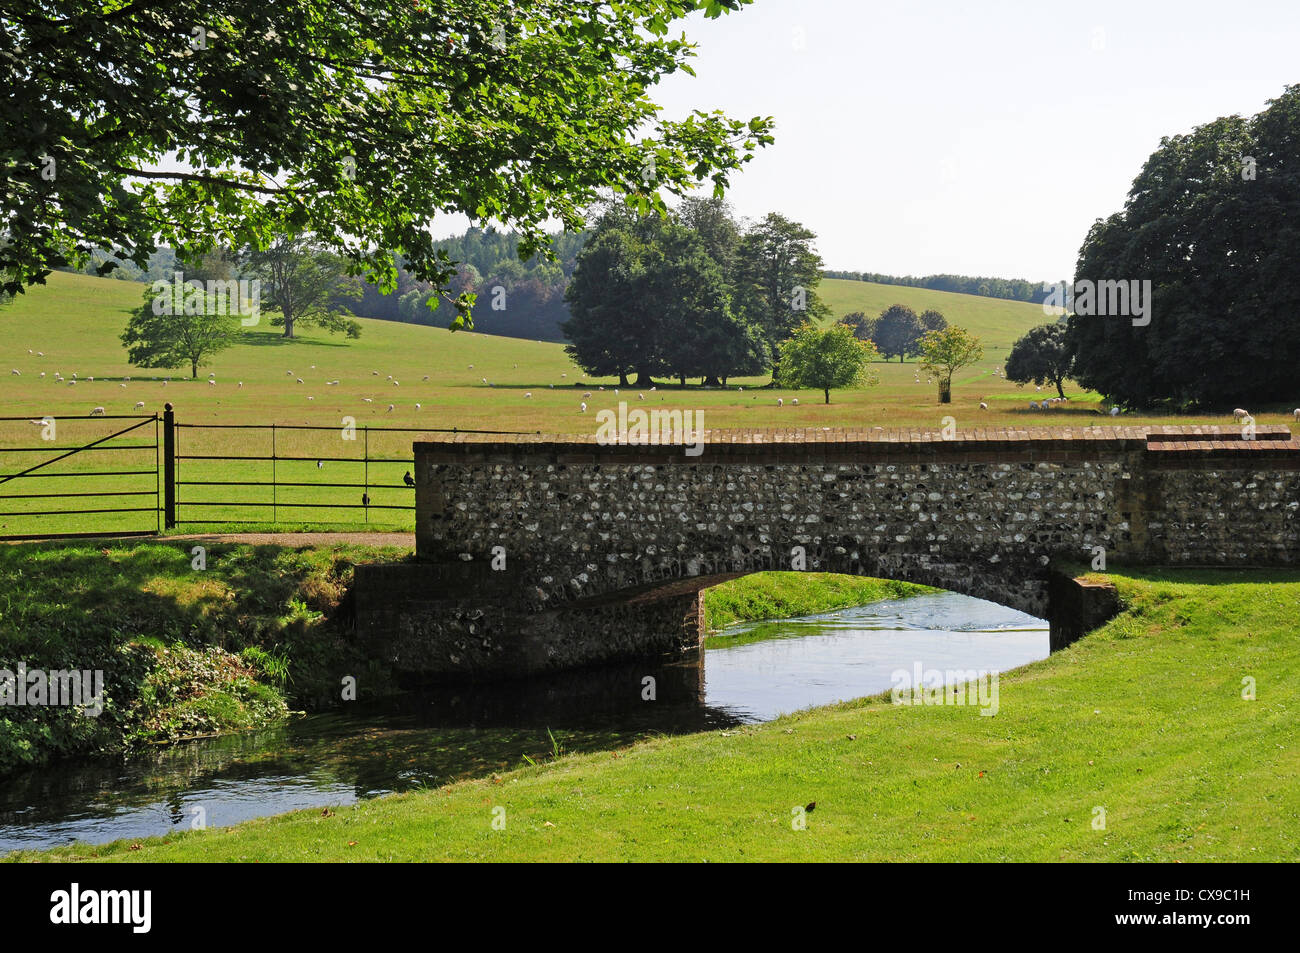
[72,325]
[1137,743]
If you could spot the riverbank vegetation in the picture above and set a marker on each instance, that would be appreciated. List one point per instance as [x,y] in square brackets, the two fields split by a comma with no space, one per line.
[1166,735]
[187,646]
[784,595]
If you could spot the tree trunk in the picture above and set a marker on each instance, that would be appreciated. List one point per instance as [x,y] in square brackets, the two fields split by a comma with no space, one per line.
[945,391]
[288,326]
[712,381]
[827,392]
[194,369]
[643,378]
[681,380]
[1059,391]
[622,378]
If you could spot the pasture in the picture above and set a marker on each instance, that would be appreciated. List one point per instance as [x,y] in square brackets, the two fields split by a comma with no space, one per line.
[433,379]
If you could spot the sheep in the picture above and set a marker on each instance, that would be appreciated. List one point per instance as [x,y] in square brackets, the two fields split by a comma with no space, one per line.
[1296,413]
[121,385]
[97,412]
[40,353]
[241,383]
[616,390]
[426,377]
[601,388]
[72,383]
[395,383]
[564,375]
[1114,411]
[374,373]
[484,380]
[587,394]
[1033,405]
[528,396]
[471,367]
[212,383]
[390,409]
[42,373]
[983,406]
[640,396]
[368,400]
[1239,413]
[288,373]
[795,401]
[779,402]
[299,380]
[417,406]
[584,406]
[653,389]
[311,398]
[390,377]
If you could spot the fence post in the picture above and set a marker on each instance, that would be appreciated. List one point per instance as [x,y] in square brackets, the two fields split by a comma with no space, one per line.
[169,467]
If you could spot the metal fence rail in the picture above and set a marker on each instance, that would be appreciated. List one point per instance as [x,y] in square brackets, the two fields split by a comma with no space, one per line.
[211,474]
[47,516]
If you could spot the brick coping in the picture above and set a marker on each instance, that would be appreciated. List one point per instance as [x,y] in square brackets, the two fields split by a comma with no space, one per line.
[1163,438]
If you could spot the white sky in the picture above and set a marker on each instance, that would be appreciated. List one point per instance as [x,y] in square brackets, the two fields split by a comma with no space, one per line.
[976,137]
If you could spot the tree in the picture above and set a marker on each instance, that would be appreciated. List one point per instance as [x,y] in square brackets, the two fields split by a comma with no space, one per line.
[172,330]
[945,352]
[932,320]
[862,326]
[826,359]
[610,331]
[777,270]
[1211,221]
[1041,356]
[130,124]
[307,285]
[897,332]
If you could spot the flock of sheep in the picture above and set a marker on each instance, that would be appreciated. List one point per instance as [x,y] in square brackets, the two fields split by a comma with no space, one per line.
[1047,403]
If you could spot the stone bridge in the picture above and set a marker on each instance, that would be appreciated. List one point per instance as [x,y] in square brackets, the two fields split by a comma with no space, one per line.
[548,552]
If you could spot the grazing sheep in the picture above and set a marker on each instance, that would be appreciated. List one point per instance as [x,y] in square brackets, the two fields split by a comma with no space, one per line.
[368,400]
[471,367]
[121,385]
[484,380]
[288,373]
[390,408]
[587,394]
[653,389]
[1296,413]
[139,405]
[395,383]
[528,396]
[426,377]
[1114,411]
[584,406]
[374,373]
[779,402]
[1033,405]
[615,390]
[1038,387]
[640,396]
[983,406]
[16,373]
[311,398]
[564,375]
[97,412]
[390,377]
[42,373]
[417,406]
[795,401]
[241,383]
[299,380]
[1239,413]
[212,383]
[601,388]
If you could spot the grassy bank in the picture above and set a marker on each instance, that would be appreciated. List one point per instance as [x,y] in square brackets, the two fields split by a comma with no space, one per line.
[1144,719]
[782,595]
[184,651]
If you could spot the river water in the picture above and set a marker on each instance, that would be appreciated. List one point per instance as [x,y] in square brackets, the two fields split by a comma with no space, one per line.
[747,673]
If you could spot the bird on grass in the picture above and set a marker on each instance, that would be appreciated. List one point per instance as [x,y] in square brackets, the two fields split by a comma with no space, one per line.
[408,479]
[365,499]
[320,465]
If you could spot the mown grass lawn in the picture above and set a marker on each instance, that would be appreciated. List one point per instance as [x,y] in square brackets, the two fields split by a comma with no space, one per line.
[1144,719]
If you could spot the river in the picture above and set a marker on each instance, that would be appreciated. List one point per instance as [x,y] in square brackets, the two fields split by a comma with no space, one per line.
[746,673]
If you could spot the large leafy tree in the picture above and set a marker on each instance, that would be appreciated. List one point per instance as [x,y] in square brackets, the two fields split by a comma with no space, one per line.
[1041,356]
[776,273]
[945,352]
[826,359]
[174,329]
[897,332]
[611,328]
[129,123]
[307,286]
[1212,221]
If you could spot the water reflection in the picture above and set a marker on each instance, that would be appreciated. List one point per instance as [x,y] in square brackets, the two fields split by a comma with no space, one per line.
[423,739]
